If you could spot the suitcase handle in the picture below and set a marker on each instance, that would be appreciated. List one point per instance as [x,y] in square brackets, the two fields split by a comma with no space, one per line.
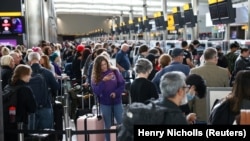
[99,116]
[112,111]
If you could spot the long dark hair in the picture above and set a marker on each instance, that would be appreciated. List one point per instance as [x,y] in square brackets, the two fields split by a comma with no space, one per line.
[240,90]
[97,71]
[85,55]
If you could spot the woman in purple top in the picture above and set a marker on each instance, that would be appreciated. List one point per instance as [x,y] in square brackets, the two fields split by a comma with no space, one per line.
[108,85]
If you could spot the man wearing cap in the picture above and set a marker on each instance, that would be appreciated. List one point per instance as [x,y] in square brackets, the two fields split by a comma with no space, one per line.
[77,63]
[175,65]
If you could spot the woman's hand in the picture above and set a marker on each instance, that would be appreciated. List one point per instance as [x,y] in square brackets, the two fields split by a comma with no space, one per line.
[112,95]
[108,77]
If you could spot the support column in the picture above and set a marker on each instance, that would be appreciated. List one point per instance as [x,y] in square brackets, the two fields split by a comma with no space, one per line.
[184,32]
[227,33]
[46,9]
[34,22]
[121,21]
[144,13]
[131,14]
[248,32]
[131,17]
[113,24]
[164,10]
[195,30]
[226,42]
[121,17]
[52,23]
[113,27]
[144,10]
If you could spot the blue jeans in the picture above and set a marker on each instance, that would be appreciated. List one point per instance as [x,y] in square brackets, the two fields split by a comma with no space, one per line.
[106,113]
[126,75]
[43,119]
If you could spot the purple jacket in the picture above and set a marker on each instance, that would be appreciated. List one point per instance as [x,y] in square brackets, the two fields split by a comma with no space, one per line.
[103,89]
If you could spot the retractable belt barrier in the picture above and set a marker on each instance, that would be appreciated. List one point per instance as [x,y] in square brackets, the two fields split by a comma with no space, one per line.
[68,132]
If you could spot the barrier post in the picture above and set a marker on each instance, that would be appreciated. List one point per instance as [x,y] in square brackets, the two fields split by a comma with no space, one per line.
[66,117]
[20,135]
[68,134]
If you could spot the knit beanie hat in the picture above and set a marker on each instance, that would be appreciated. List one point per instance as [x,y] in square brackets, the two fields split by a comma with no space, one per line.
[80,48]
[53,57]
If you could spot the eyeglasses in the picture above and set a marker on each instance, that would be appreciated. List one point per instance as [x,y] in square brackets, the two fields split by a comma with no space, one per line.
[187,87]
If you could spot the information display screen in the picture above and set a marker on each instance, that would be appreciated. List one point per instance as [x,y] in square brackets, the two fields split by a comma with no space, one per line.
[12,25]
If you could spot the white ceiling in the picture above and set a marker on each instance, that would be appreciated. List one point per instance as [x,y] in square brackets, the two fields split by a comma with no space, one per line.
[114,7]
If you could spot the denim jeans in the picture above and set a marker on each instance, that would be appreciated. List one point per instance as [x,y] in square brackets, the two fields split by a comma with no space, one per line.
[107,115]
[43,119]
[126,75]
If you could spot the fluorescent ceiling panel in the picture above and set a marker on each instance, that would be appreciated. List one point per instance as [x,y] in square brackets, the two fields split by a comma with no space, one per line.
[115,6]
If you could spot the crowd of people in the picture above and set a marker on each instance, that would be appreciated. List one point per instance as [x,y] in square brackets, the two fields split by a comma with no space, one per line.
[179,78]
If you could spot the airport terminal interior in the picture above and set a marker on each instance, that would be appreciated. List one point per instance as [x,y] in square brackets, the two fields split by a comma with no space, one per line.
[97,58]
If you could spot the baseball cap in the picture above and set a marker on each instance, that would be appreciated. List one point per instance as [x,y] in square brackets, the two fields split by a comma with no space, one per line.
[177,52]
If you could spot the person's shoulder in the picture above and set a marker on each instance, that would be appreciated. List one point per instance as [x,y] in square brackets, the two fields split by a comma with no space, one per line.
[114,69]
[22,88]
[118,54]
[46,71]
[224,70]
[195,69]
[186,52]
[166,69]
[185,66]
[43,69]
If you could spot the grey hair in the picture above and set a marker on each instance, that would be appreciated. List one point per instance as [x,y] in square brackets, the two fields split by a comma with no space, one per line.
[34,56]
[143,65]
[209,53]
[171,82]
[124,46]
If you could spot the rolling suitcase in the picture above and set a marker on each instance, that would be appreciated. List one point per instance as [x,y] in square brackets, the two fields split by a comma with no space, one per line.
[58,118]
[113,136]
[85,110]
[90,122]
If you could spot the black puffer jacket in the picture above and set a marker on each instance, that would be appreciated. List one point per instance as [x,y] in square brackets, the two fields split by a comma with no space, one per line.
[241,64]
[6,74]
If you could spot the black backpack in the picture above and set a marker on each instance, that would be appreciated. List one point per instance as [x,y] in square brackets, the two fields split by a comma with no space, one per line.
[140,114]
[40,89]
[9,99]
